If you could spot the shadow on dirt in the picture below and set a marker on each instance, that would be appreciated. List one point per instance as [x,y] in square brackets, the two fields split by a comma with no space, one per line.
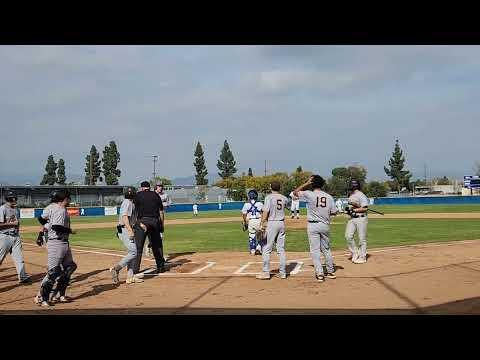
[460,307]
[96,290]
[176,255]
[85,276]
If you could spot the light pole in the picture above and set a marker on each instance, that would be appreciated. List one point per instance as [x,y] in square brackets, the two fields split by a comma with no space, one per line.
[154,157]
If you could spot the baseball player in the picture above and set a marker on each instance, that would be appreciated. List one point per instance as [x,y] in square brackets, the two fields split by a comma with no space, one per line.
[295,206]
[273,221]
[195,209]
[357,209]
[320,207]
[126,235]
[10,241]
[56,221]
[339,205]
[251,214]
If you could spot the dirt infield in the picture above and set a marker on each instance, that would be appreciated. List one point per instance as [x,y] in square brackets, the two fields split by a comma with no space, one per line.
[420,279]
[291,223]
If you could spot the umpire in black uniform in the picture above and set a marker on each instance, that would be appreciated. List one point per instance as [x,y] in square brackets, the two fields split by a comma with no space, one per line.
[150,217]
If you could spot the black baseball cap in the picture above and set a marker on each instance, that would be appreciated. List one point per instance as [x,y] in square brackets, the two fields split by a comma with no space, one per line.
[145,184]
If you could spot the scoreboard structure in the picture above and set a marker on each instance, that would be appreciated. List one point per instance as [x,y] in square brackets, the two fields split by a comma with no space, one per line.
[471,181]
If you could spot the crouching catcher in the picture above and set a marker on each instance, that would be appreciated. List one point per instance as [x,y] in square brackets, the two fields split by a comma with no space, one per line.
[56,221]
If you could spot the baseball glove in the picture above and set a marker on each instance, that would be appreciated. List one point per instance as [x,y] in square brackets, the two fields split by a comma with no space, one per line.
[40,238]
[261,234]
[244,226]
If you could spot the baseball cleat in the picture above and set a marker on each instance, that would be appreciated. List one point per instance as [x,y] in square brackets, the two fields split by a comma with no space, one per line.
[139,275]
[133,280]
[263,276]
[114,273]
[26,280]
[331,275]
[252,252]
[320,278]
[61,299]
[39,301]
[282,276]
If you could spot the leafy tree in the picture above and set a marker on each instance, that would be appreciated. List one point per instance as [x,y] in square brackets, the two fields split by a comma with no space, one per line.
[375,189]
[160,180]
[396,171]
[337,185]
[200,167]
[50,177]
[61,178]
[226,163]
[299,169]
[111,158]
[250,172]
[443,181]
[92,167]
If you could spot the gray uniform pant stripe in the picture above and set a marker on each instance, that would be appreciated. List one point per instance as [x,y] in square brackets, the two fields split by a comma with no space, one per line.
[275,232]
[358,225]
[319,239]
[14,243]
[129,259]
[58,253]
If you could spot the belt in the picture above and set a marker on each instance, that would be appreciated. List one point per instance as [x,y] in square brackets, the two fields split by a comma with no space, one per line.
[277,220]
[359,216]
[316,222]
[9,234]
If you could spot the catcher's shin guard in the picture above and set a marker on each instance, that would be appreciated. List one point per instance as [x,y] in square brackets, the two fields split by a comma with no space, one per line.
[252,243]
[64,278]
[47,286]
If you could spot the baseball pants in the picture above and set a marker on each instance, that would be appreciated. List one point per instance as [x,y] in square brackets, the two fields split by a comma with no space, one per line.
[358,225]
[319,239]
[253,227]
[153,233]
[275,233]
[13,244]
[59,254]
[129,259]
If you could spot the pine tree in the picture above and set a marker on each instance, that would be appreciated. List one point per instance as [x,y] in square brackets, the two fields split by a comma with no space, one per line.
[299,169]
[250,172]
[92,167]
[111,158]
[227,163]
[61,178]
[50,176]
[396,172]
[200,167]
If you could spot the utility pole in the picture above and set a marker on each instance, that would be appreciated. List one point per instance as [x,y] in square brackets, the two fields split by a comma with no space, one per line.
[265,167]
[425,172]
[91,169]
[154,157]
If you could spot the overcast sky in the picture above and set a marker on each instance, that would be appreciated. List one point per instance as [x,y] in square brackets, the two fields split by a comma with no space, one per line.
[315,106]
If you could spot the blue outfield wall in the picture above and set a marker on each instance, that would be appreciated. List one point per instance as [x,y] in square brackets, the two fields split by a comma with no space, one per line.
[429,200]
[237,205]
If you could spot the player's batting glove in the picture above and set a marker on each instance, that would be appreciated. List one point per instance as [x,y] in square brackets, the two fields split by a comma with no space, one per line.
[40,238]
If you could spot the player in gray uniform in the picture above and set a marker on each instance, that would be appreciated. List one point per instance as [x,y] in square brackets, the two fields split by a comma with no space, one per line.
[10,241]
[320,207]
[273,219]
[125,234]
[357,209]
[61,266]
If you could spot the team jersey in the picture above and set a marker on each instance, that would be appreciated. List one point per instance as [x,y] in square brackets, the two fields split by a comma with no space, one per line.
[166,201]
[358,199]
[127,208]
[275,204]
[320,205]
[294,198]
[253,210]
[9,214]
[56,215]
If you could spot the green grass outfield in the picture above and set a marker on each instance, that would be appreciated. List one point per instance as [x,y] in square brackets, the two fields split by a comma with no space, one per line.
[390,209]
[229,236]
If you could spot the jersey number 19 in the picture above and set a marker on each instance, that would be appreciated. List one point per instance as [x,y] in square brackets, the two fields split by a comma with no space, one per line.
[322,200]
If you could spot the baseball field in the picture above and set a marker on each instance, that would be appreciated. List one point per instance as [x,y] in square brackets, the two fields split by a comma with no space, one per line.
[422,260]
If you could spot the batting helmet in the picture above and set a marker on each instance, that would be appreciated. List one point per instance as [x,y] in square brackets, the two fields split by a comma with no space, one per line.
[354,185]
[253,194]
[59,195]
[130,193]
[10,194]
